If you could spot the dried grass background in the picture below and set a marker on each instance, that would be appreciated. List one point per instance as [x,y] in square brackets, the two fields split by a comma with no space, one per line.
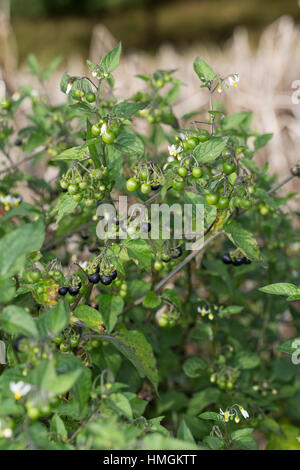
[266,76]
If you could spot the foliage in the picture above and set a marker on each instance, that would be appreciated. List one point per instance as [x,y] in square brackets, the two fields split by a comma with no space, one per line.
[95,351]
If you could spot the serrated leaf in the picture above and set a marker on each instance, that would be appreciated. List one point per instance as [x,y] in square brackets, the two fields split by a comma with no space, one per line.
[74,153]
[262,140]
[208,151]
[65,205]
[242,239]
[193,366]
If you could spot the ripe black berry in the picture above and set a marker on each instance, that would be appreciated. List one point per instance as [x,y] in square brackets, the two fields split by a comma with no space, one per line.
[94,278]
[93,249]
[226,258]
[63,291]
[18,142]
[246,260]
[154,187]
[113,275]
[178,252]
[73,290]
[237,261]
[106,280]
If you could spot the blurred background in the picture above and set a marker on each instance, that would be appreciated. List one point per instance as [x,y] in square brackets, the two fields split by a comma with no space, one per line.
[259,39]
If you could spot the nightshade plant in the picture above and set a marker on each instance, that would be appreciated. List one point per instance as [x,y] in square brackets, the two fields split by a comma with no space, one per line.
[134,342]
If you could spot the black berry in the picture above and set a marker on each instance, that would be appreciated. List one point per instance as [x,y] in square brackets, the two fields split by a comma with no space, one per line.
[178,252]
[106,280]
[155,187]
[237,261]
[246,260]
[63,291]
[226,258]
[73,290]
[94,278]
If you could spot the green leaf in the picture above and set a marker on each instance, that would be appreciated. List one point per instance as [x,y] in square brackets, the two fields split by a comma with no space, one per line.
[58,428]
[33,64]
[184,433]
[243,239]
[16,320]
[139,251]
[193,367]
[290,346]
[15,245]
[90,316]
[211,415]
[213,442]
[126,109]
[7,290]
[243,439]
[262,140]
[281,288]
[110,307]
[208,151]
[237,120]
[65,205]
[74,153]
[136,348]
[248,360]
[151,300]
[203,70]
[111,60]
[129,142]
[121,404]
[58,318]
[202,399]
[64,382]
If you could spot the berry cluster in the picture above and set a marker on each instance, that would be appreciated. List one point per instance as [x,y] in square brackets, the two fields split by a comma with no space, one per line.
[108,129]
[235,260]
[67,341]
[169,318]
[147,177]
[73,289]
[89,187]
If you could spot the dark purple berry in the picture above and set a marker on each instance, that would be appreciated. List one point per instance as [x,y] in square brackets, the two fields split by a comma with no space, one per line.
[178,252]
[94,278]
[73,290]
[155,187]
[246,260]
[106,280]
[226,258]
[237,261]
[63,291]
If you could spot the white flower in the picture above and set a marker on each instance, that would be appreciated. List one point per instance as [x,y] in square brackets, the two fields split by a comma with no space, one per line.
[171,159]
[19,389]
[83,265]
[233,80]
[103,128]
[94,73]
[226,414]
[203,311]
[244,412]
[69,87]
[174,151]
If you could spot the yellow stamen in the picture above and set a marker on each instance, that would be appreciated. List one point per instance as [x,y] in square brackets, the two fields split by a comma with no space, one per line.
[17,395]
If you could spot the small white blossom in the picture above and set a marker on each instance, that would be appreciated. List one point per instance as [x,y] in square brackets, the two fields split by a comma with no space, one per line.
[233,80]
[244,412]
[69,87]
[174,151]
[83,265]
[94,73]
[226,415]
[103,128]
[19,389]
